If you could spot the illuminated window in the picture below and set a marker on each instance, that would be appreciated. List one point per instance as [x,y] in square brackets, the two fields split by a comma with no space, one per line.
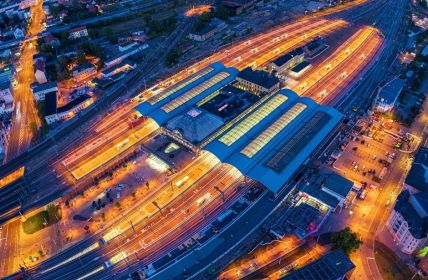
[188,95]
[266,136]
[179,86]
[252,120]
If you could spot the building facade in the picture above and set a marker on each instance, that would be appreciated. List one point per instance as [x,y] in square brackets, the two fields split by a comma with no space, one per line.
[78,32]
[83,71]
[257,82]
[408,222]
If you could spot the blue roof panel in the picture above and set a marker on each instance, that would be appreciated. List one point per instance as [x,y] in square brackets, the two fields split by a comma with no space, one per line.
[179,88]
[223,151]
[189,97]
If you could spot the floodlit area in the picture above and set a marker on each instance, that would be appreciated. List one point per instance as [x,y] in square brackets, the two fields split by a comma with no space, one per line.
[118,147]
[12,177]
[333,74]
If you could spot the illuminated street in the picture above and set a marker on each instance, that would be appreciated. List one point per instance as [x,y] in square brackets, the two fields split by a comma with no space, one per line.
[26,120]
[223,140]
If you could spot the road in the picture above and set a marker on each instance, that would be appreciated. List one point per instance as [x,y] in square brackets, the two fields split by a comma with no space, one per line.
[25,119]
[9,248]
[160,233]
[96,262]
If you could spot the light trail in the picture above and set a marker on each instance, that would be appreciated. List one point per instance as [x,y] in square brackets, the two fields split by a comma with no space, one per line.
[341,55]
[118,147]
[87,275]
[339,69]
[78,255]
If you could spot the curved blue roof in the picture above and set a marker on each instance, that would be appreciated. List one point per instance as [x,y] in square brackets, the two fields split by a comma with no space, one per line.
[179,88]
[243,133]
[272,149]
[192,95]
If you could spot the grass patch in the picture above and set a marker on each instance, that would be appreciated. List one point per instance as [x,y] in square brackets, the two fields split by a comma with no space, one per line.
[43,219]
[391,267]
[35,222]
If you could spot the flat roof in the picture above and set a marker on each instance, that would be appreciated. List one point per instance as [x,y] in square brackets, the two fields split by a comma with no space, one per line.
[179,88]
[50,103]
[331,266]
[188,98]
[418,174]
[258,77]
[280,61]
[338,184]
[299,67]
[45,86]
[82,98]
[389,93]
[271,142]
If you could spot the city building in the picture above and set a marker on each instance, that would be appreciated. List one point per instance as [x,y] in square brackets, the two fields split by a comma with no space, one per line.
[334,265]
[387,96]
[195,125]
[269,142]
[83,71]
[123,66]
[18,33]
[78,32]
[212,28]
[40,71]
[237,6]
[298,70]
[417,178]
[67,111]
[318,196]
[258,82]
[128,46]
[40,90]
[287,60]
[408,222]
[315,47]
[6,97]
[124,55]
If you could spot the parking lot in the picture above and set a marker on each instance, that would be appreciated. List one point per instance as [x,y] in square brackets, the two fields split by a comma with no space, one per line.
[366,157]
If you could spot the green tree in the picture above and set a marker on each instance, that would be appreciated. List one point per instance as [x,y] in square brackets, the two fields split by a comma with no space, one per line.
[53,213]
[347,240]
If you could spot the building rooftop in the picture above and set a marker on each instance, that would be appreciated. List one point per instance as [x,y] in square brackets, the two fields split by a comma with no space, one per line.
[83,66]
[77,29]
[418,174]
[270,143]
[257,77]
[390,92]
[299,67]
[331,266]
[338,184]
[280,61]
[413,208]
[169,104]
[70,105]
[179,88]
[195,125]
[229,102]
[320,195]
[207,29]
[50,103]
[45,86]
